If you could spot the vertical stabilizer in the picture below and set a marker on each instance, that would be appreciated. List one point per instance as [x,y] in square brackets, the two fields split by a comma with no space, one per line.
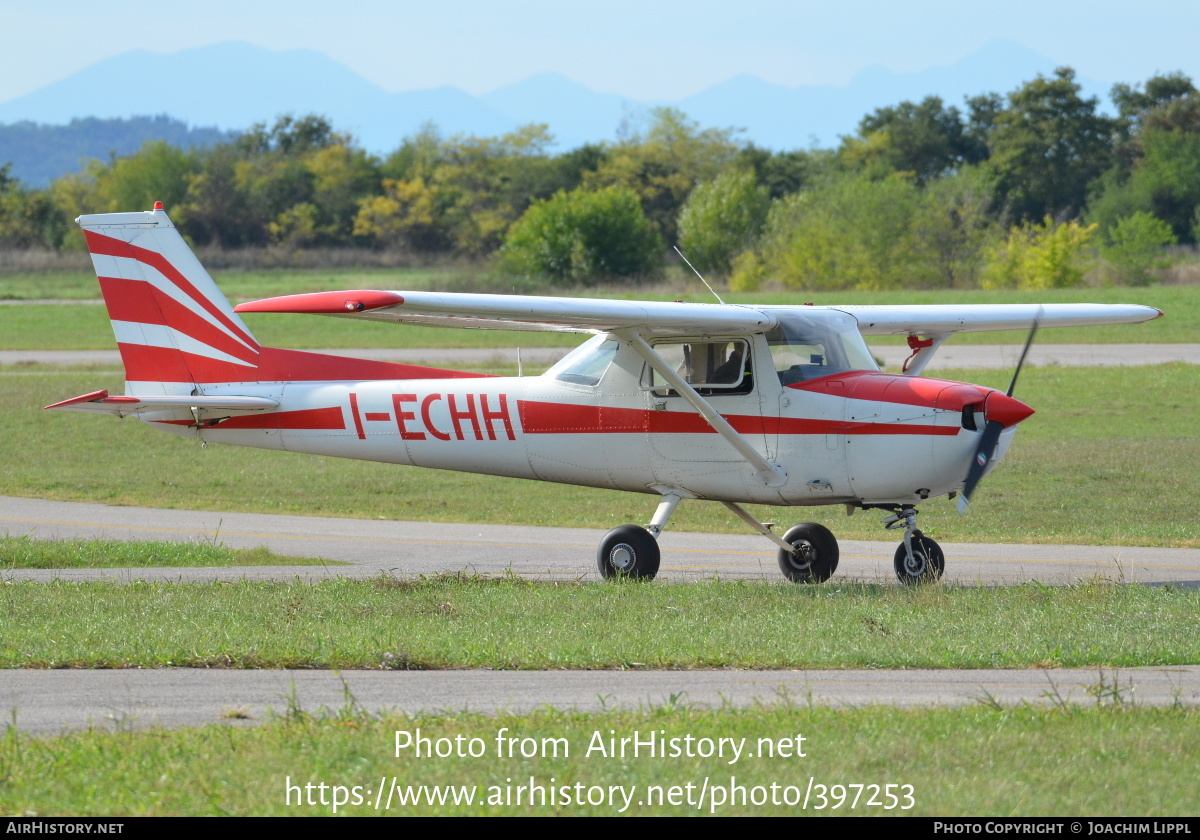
[173,326]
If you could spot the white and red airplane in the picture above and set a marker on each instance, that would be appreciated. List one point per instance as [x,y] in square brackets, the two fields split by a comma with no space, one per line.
[773,405]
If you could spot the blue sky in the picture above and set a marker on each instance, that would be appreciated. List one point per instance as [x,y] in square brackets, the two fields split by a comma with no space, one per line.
[640,49]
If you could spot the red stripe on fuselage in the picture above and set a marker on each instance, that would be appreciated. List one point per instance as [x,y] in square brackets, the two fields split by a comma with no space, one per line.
[541,418]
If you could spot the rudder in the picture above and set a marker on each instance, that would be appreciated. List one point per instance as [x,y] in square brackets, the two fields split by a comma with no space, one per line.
[174,328]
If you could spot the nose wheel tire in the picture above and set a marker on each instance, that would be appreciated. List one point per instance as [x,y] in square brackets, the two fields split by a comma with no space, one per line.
[927,562]
[816,556]
[628,552]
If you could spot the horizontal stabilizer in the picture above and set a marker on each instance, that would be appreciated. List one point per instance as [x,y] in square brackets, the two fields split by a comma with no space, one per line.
[99,402]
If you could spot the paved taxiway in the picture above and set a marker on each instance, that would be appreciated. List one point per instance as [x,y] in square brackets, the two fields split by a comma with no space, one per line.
[385,547]
[50,701]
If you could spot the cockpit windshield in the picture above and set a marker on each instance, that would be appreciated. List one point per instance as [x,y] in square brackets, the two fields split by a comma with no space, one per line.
[806,347]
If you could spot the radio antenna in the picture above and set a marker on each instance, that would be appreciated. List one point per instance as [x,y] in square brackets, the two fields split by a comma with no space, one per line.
[698,274]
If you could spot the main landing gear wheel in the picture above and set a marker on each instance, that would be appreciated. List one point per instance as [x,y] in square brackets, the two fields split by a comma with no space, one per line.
[629,552]
[927,562]
[816,556]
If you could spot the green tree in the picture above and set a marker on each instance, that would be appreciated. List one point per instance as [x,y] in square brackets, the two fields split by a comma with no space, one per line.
[157,172]
[955,225]
[721,219]
[28,218]
[662,166]
[926,140]
[1161,175]
[852,231]
[584,237]
[1047,146]
[1137,248]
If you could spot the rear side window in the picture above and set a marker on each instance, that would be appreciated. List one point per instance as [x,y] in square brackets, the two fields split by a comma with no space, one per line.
[711,367]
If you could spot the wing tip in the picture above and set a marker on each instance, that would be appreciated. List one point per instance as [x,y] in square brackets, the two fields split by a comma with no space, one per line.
[324,303]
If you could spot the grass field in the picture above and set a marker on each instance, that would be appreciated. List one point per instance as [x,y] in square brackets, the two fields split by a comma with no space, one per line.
[86,327]
[25,553]
[1108,459]
[1114,759]
[512,624]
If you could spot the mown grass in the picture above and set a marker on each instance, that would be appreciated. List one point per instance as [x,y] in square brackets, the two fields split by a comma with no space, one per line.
[973,761]
[86,327]
[26,553]
[1108,459]
[455,622]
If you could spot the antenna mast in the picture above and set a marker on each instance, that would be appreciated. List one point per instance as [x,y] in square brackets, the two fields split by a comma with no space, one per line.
[698,274]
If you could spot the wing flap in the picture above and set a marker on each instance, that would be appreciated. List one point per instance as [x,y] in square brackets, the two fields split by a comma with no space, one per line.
[524,312]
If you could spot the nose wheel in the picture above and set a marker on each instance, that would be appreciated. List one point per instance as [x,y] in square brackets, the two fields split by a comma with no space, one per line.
[918,559]
[924,564]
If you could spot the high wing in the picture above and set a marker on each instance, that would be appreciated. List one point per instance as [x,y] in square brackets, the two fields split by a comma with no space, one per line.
[944,320]
[525,312]
[590,315]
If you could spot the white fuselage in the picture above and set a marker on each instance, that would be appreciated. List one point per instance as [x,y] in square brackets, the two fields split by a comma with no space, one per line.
[839,439]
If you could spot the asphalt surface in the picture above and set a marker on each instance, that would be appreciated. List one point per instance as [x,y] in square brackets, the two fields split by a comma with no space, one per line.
[406,549]
[47,702]
[951,356]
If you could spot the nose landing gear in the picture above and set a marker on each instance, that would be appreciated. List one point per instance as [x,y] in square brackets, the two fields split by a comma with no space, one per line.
[918,558]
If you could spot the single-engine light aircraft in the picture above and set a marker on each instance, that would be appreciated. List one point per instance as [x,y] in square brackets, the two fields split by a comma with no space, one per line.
[773,405]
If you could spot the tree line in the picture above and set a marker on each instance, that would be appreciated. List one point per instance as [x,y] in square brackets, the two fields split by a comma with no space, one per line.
[1018,190]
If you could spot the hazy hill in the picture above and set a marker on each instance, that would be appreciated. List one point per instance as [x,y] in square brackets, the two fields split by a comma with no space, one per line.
[233,85]
[41,153]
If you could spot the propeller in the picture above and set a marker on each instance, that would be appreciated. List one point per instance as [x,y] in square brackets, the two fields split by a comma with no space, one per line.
[1001,411]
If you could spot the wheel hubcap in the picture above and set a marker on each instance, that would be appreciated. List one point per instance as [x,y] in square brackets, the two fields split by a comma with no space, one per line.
[915,565]
[803,555]
[621,557]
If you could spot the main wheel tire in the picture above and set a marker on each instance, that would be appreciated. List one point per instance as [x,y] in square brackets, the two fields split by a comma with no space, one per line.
[928,562]
[816,555]
[628,552]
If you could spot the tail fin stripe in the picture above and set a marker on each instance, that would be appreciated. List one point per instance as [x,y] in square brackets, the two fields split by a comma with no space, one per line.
[131,271]
[106,245]
[146,363]
[157,335]
[129,302]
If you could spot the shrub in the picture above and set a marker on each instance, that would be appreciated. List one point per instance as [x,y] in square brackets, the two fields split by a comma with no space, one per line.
[1045,256]
[583,237]
[1136,248]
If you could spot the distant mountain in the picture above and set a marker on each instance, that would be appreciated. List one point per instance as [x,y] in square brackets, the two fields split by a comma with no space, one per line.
[233,85]
[41,153]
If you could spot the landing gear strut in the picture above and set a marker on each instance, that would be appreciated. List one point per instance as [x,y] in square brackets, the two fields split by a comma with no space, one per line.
[918,558]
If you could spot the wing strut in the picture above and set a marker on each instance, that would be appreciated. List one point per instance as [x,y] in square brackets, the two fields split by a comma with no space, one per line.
[770,474]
